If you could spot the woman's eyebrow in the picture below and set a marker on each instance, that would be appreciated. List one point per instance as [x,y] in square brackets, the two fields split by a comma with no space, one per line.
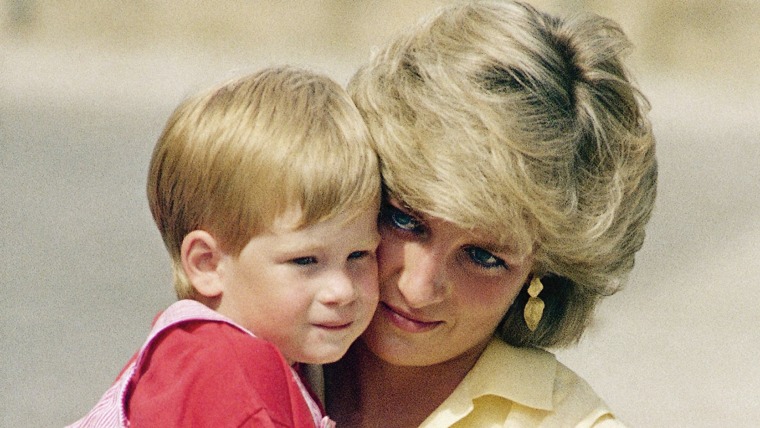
[398,204]
[509,251]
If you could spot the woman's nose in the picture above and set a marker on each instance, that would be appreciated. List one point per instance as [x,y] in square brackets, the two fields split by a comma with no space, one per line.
[422,281]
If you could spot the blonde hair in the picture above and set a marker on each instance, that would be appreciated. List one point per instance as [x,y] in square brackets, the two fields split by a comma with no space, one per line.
[233,158]
[498,117]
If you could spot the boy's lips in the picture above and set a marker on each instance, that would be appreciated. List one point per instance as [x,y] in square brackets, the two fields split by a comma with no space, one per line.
[406,321]
[334,325]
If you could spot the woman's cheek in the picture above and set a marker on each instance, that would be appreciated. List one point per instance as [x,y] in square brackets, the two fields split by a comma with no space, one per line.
[486,291]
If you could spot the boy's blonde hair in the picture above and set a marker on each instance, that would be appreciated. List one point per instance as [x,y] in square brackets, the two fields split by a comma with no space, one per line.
[234,158]
[498,117]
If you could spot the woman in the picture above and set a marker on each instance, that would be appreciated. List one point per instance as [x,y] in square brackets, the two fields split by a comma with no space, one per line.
[519,173]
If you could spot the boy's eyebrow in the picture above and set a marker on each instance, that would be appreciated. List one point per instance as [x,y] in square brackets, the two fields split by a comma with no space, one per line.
[286,250]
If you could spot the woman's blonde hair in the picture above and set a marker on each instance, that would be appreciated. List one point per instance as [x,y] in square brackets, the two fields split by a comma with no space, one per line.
[498,117]
[233,158]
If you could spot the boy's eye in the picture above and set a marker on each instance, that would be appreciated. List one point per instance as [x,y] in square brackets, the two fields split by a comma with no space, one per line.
[484,258]
[401,220]
[357,255]
[303,261]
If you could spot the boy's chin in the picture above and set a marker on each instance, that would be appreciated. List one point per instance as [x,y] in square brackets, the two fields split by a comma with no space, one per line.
[327,356]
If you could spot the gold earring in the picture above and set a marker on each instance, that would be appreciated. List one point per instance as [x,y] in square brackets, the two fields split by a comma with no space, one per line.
[534,308]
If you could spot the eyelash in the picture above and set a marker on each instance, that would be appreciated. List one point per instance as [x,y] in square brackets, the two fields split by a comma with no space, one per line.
[310,260]
[391,215]
[496,263]
[358,255]
[304,261]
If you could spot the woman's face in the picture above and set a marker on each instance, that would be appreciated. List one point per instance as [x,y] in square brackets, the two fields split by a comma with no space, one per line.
[443,289]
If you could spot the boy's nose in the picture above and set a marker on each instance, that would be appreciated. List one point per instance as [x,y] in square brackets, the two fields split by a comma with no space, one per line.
[339,290]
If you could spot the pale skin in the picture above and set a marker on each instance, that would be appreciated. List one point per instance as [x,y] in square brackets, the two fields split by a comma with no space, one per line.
[309,291]
[443,292]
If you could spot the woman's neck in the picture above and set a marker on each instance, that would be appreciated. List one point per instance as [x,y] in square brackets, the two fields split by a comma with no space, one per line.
[363,390]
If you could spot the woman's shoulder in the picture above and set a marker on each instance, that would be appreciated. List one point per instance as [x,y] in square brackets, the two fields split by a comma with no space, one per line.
[526,386]
[575,399]
[566,398]
[537,371]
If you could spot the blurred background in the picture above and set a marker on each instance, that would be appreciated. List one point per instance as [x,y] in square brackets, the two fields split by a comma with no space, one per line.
[85,89]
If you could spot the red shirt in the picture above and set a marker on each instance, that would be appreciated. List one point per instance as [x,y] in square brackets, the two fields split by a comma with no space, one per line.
[199,369]
[211,374]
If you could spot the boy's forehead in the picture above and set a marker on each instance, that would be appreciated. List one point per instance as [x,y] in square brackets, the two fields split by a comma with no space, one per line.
[288,220]
[289,233]
[294,218]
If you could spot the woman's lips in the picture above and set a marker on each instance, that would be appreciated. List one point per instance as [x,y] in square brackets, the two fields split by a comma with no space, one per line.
[405,321]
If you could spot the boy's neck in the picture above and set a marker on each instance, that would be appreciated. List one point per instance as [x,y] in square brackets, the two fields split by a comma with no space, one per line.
[363,390]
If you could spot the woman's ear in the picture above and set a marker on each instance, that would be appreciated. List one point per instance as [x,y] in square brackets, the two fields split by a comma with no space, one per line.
[201,254]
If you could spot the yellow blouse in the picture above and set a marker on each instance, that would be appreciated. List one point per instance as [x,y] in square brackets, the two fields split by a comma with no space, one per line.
[520,387]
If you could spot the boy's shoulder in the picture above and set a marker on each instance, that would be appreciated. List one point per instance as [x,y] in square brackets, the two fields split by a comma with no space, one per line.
[215,343]
[203,364]
[193,337]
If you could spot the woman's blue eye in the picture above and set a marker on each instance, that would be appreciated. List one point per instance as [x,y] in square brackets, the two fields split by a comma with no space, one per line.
[357,255]
[401,220]
[303,261]
[484,258]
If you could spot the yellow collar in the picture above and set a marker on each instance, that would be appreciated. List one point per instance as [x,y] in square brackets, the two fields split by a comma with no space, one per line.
[522,375]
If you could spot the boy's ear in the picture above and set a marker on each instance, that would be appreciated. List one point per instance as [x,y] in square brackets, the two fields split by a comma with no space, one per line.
[201,254]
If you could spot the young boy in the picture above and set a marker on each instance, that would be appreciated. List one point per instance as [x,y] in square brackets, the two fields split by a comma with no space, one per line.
[266,192]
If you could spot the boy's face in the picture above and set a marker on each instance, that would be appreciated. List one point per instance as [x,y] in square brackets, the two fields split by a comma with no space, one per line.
[310,292]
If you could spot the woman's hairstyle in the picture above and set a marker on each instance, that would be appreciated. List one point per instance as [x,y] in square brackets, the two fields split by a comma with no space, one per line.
[500,118]
[233,158]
